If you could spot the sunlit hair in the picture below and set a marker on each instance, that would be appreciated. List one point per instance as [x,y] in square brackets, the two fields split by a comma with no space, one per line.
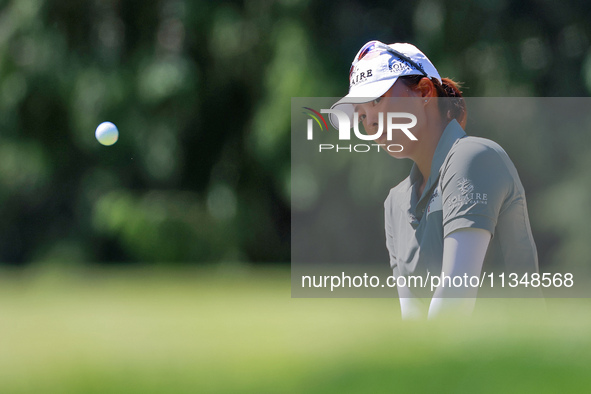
[452,108]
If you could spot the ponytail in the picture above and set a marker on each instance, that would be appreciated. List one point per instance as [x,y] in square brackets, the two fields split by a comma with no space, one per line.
[454,106]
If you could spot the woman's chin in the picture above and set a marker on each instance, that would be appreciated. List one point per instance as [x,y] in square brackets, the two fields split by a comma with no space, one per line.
[394,149]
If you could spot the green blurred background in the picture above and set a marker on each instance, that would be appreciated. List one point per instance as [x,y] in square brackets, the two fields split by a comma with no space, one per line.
[161,264]
[200,91]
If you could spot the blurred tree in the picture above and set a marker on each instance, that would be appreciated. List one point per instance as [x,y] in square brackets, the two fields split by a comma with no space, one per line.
[201,91]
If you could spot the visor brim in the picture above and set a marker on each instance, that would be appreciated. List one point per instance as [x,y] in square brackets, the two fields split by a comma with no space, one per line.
[359,95]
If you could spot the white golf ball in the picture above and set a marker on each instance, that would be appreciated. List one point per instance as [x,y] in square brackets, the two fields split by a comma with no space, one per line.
[107,133]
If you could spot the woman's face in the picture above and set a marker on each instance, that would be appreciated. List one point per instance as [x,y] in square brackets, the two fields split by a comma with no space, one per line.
[399,98]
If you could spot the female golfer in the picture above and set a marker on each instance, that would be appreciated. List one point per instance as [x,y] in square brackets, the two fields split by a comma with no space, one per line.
[462,210]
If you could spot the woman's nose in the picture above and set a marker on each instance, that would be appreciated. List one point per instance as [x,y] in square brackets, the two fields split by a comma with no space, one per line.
[372,121]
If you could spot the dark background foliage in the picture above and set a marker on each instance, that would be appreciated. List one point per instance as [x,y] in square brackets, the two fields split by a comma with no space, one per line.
[201,90]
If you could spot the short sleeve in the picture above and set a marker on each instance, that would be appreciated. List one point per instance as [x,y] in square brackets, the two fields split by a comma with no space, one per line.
[475,183]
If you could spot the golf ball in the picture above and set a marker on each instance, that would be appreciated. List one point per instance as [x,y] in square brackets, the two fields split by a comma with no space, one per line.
[107,133]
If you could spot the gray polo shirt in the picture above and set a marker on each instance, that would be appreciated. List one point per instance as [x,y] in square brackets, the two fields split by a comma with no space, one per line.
[473,184]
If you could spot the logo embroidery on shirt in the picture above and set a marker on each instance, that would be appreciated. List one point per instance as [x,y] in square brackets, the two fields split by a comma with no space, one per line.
[465,186]
[467,195]
[435,203]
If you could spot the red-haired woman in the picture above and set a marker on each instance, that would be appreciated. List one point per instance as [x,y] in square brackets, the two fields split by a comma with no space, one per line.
[463,206]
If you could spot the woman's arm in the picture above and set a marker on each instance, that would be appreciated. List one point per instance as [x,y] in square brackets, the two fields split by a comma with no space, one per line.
[463,253]
[411,307]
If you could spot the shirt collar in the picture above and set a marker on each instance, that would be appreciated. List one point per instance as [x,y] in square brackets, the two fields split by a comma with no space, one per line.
[452,132]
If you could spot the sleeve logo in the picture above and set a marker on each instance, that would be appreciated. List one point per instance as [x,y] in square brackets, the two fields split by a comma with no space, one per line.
[465,186]
[467,195]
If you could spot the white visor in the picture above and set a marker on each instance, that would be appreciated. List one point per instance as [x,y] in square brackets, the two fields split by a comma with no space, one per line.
[378,69]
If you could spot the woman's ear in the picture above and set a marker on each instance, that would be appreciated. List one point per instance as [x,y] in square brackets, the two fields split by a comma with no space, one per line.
[427,88]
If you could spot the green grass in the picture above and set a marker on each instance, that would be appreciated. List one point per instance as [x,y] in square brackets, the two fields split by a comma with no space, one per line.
[187,331]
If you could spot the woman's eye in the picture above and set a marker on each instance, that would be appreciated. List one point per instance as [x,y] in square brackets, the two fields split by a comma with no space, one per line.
[376,101]
[361,118]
